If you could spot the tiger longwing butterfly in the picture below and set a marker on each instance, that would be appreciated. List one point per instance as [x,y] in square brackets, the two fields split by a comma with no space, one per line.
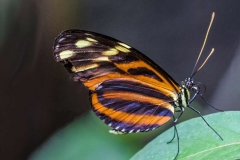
[128,91]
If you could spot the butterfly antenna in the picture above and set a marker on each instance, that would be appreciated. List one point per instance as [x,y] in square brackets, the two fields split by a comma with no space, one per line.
[194,71]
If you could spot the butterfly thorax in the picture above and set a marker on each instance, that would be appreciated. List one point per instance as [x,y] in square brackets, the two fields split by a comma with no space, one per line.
[184,94]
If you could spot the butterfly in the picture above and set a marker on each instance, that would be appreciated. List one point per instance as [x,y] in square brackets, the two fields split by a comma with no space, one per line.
[128,91]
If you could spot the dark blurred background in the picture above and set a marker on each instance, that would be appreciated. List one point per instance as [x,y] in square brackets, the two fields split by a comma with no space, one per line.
[39,100]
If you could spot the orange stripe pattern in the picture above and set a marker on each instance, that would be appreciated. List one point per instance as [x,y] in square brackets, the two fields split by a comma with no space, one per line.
[129,92]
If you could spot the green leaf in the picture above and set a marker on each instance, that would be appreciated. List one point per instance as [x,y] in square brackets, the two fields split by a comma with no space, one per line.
[197,140]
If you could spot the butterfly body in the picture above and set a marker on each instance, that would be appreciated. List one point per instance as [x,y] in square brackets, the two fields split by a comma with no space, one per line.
[128,91]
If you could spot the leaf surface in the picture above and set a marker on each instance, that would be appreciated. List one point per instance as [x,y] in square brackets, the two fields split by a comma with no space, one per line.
[197,140]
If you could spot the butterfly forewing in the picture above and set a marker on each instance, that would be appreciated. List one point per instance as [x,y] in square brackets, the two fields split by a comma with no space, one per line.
[129,92]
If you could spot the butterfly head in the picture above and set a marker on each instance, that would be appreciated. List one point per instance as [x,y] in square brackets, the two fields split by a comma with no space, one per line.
[189,83]
[195,87]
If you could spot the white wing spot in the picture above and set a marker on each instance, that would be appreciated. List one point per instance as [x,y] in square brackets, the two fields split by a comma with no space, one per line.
[113,131]
[131,130]
[110,52]
[91,39]
[84,68]
[82,43]
[124,45]
[66,54]
[99,59]
[122,49]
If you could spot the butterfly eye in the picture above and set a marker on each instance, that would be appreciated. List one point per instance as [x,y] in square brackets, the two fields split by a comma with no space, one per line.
[189,83]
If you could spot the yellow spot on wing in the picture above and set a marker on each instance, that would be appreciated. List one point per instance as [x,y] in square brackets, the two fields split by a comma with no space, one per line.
[103,58]
[91,39]
[124,45]
[122,49]
[66,54]
[84,68]
[110,52]
[82,43]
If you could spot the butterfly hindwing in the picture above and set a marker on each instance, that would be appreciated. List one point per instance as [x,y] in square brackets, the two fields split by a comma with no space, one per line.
[129,92]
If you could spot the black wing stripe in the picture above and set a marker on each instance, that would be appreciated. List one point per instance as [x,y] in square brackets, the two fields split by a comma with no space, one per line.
[132,87]
[133,106]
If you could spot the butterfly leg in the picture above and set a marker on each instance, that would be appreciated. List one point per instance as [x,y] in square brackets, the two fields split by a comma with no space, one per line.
[182,110]
[205,120]
[175,121]
[194,96]
[197,92]
[175,133]
[175,130]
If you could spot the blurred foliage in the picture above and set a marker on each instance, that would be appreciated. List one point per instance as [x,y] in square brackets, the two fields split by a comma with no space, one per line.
[88,138]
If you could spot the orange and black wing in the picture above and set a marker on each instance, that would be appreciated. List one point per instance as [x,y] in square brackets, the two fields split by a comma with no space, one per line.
[128,91]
